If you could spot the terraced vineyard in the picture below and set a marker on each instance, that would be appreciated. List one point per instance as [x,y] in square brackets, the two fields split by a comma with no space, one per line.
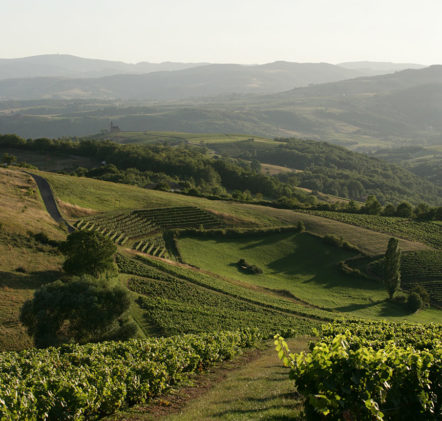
[155,246]
[142,228]
[422,267]
[426,232]
[180,217]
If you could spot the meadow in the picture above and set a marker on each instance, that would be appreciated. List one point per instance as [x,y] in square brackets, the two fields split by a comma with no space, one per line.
[302,266]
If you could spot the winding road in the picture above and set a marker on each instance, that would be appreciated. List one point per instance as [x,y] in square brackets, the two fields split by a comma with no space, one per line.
[49,200]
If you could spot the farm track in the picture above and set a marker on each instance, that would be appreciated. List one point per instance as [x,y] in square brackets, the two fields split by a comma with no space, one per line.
[237,389]
[49,200]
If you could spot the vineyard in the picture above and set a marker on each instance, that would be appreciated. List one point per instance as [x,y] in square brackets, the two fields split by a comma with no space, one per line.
[370,371]
[422,268]
[426,232]
[176,300]
[85,382]
[142,229]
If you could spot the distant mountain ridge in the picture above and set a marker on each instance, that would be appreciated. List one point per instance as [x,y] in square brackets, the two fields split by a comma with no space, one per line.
[70,77]
[365,113]
[68,66]
[374,68]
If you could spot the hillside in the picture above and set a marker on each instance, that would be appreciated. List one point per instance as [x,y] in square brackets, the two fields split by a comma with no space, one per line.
[207,168]
[198,81]
[363,113]
[196,291]
[26,259]
[68,66]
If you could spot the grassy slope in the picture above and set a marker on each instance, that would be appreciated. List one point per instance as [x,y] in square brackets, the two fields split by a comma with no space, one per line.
[105,196]
[22,211]
[300,264]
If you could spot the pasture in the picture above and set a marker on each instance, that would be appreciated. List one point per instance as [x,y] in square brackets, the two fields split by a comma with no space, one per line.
[298,265]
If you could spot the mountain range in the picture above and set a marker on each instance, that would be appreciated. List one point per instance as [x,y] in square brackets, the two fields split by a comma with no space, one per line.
[364,113]
[69,77]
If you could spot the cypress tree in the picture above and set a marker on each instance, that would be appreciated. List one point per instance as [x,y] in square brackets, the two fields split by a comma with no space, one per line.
[392,262]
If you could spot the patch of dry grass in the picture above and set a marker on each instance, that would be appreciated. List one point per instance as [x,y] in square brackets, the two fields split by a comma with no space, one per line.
[24,263]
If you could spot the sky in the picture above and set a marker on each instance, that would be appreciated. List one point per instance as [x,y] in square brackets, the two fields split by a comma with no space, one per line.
[225,31]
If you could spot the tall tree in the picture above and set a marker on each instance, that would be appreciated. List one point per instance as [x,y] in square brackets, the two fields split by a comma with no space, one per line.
[78,310]
[88,253]
[392,263]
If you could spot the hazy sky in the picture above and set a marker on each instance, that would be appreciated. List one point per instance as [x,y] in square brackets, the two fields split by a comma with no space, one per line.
[240,31]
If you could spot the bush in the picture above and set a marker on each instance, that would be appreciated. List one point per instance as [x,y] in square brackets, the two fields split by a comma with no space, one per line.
[400,299]
[333,240]
[248,268]
[423,293]
[300,226]
[414,302]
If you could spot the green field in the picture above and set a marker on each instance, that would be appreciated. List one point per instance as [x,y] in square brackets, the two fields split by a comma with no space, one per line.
[178,137]
[301,265]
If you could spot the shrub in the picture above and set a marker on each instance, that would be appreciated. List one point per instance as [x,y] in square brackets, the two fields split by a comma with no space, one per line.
[333,240]
[423,293]
[248,268]
[414,302]
[300,226]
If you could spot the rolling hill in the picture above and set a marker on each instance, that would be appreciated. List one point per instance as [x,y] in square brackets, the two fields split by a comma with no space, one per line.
[364,114]
[199,81]
[182,308]
[68,66]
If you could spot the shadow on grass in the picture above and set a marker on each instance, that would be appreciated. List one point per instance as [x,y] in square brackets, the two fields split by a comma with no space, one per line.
[387,308]
[268,239]
[392,309]
[355,307]
[33,280]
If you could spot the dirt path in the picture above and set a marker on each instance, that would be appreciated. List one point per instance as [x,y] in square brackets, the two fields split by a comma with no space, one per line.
[254,386]
[49,200]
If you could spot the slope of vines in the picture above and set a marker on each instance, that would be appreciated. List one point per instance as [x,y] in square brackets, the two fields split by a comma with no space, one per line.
[86,382]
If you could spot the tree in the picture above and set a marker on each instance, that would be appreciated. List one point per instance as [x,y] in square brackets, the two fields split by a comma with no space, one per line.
[300,227]
[255,165]
[8,159]
[372,206]
[389,210]
[78,310]
[89,253]
[404,210]
[352,207]
[392,262]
